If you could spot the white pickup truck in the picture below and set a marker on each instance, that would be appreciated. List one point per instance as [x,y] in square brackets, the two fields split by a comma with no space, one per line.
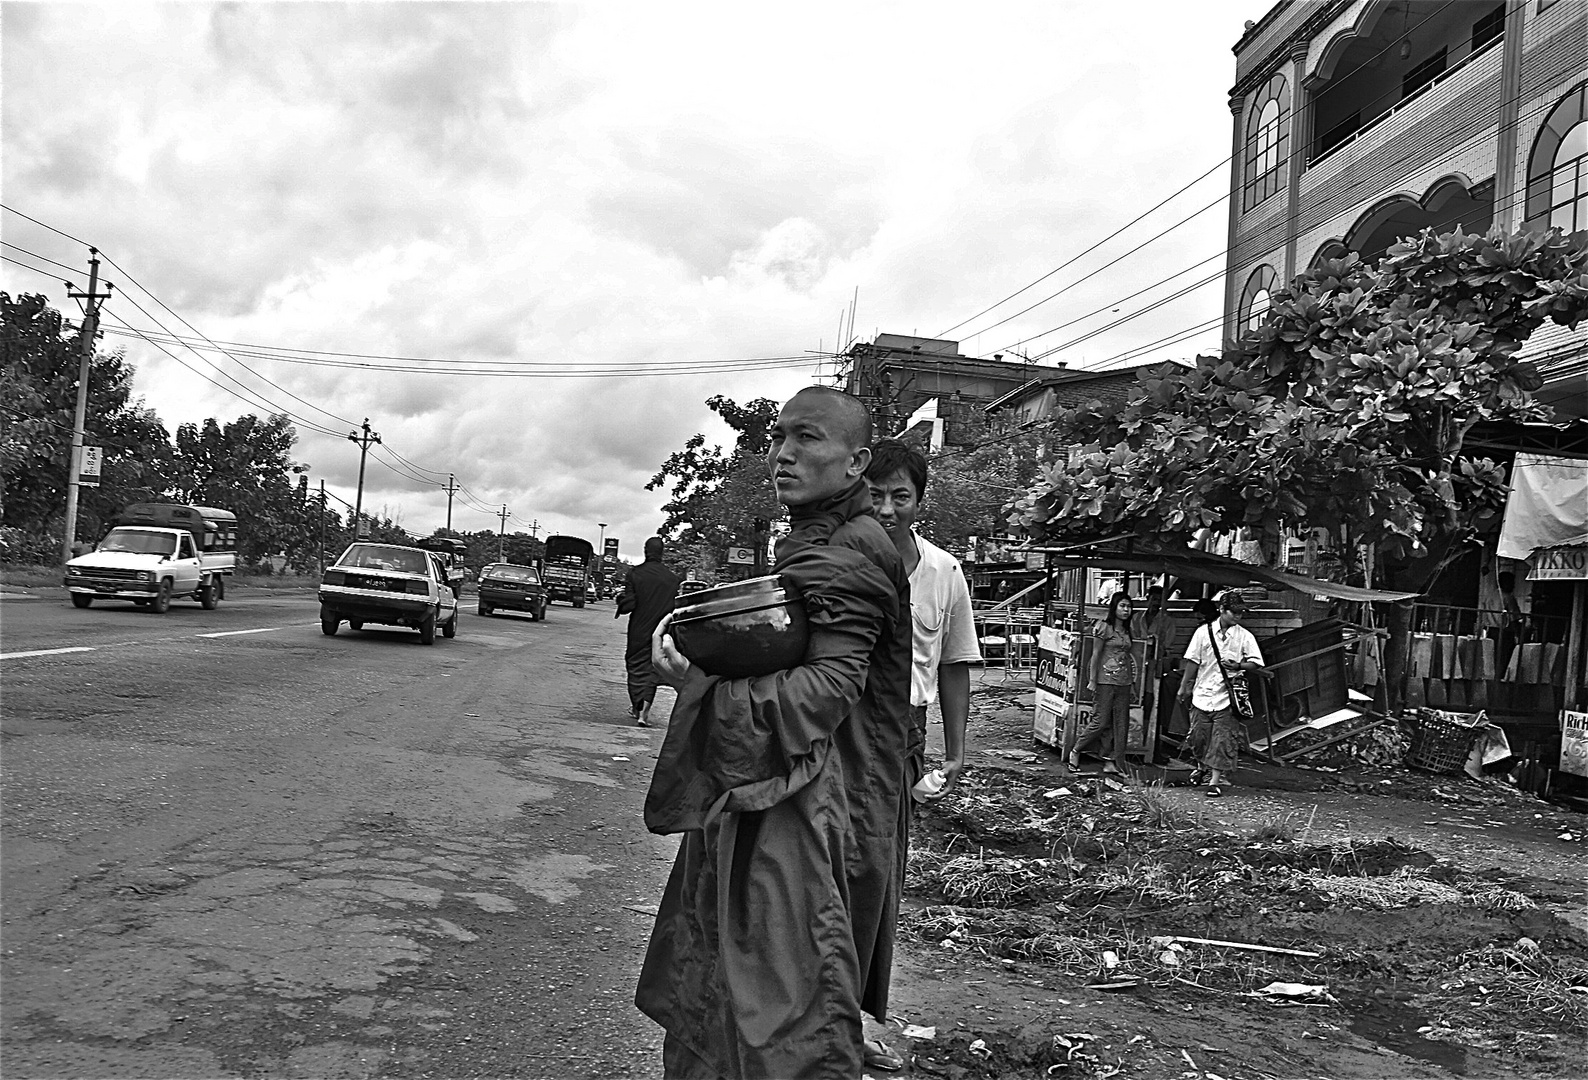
[155,552]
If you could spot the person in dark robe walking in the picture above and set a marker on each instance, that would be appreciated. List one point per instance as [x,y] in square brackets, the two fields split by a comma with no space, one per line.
[647,596]
[776,928]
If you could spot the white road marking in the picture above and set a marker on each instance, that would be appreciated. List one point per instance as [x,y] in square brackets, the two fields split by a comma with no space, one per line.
[234,633]
[44,652]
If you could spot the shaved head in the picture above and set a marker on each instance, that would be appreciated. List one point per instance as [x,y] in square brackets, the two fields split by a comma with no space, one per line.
[853,419]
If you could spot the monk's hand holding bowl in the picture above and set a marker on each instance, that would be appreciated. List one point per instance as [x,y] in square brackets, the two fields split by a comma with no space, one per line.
[672,667]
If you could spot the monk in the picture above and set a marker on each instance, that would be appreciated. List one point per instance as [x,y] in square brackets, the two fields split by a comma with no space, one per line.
[776,928]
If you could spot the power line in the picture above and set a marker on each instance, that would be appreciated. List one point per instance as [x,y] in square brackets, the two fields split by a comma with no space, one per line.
[41,258]
[1336,84]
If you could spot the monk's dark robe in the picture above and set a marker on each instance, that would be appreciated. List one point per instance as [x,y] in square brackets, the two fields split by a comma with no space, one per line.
[776,927]
[647,597]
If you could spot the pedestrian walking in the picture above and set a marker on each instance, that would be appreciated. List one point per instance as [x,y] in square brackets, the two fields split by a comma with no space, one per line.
[943,638]
[1219,652]
[1113,682]
[775,931]
[647,596]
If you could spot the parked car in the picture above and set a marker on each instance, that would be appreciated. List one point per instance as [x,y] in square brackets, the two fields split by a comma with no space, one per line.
[510,587]
[388,584]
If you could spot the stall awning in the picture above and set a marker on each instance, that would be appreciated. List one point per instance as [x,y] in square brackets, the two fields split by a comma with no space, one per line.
[1213,569]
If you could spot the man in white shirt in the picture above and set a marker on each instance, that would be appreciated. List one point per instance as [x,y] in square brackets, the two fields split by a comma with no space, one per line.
[1218,649]
[943,634]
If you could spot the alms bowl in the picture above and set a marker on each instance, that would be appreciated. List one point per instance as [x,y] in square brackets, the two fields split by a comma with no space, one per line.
[742,629]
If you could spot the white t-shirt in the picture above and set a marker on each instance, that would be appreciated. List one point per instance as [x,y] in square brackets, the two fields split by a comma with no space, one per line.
[1209,693]
[943,630]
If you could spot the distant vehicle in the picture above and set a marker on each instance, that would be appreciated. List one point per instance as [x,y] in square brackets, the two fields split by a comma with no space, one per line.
[508,587]
[452,550]
[690,585]
[157,551]
[390,584]
[566,568]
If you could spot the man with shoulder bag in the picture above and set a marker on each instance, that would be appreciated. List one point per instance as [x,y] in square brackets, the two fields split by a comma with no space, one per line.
[1214,687]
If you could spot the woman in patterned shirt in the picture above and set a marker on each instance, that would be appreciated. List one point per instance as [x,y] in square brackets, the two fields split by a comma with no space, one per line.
[1113,677]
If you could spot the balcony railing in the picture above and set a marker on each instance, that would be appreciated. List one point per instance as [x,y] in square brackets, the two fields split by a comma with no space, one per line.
[1417,95]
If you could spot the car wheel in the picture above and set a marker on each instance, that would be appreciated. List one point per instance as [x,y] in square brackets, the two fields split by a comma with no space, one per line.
[427,630]
[79,600]
[355,624]
[450,627]
[328,625]
[578,603]
[208,596]
[162,599]
[485,609]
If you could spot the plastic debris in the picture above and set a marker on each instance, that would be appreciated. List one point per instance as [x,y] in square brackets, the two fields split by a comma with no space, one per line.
[979,1048]
[1285,993]
[916,1031]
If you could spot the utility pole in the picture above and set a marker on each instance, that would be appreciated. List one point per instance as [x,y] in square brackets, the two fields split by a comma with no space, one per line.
[452,489]
[501,536]
[601,559]
[364,442]
[322,528]
[85,340]
[533,527]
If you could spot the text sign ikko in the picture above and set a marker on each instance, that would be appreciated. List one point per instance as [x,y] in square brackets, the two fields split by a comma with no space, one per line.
[1560,564]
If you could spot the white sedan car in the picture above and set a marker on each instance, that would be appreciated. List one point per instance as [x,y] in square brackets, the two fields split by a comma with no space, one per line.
[391,585]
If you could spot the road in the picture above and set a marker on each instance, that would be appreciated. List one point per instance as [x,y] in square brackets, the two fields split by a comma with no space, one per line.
[235,847]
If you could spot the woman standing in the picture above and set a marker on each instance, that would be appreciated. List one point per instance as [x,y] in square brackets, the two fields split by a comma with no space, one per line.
[1113,678]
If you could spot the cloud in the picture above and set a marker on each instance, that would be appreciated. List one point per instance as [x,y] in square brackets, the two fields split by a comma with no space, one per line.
[492,184]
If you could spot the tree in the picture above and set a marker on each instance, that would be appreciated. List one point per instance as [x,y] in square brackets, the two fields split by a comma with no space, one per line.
[968,488]
[717,495]
[243,466]
[1348,409]
[39,362]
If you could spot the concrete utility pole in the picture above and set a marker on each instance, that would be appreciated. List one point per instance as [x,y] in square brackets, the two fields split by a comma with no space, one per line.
[85,340]
[452,489]
[322,528]
[601,559]
[533,527]
[364,442]
[501,536]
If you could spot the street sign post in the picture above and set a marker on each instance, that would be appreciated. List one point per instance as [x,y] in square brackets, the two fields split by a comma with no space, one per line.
[87,465]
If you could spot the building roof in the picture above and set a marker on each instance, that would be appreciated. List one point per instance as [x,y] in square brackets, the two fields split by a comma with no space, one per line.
[1084,383]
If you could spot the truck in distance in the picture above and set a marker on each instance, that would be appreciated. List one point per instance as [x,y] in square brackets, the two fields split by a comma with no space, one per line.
[566,568]
[155,552]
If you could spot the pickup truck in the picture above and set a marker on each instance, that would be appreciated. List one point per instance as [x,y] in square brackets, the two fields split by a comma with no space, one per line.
[155,552]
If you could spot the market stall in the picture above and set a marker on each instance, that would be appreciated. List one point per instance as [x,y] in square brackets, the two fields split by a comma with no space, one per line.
[1311,703]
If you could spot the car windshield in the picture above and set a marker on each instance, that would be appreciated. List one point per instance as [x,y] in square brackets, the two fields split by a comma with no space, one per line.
[139,542]
[380,557]
[514,573]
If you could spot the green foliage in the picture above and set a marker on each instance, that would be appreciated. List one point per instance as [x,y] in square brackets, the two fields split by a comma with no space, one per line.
[243,467]
[967,488]
[1349,407]
[39,362]
[716,495]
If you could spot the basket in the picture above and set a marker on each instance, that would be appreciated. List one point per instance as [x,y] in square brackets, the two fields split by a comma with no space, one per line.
[1443,740]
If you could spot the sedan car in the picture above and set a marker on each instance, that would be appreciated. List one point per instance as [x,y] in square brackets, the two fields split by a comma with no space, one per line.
[391,585]
[509,587]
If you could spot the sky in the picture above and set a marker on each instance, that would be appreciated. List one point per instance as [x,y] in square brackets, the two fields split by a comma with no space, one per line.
[527,241]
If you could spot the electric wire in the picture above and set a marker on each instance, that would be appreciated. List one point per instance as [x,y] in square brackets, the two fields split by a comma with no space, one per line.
[1337,83]
[41,258]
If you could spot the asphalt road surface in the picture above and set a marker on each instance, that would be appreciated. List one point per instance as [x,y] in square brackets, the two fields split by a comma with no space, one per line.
[233,846]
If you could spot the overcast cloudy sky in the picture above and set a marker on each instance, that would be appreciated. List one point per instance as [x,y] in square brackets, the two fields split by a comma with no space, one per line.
[512,191]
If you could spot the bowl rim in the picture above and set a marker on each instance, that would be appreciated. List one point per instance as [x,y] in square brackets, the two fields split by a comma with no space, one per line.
[702,616]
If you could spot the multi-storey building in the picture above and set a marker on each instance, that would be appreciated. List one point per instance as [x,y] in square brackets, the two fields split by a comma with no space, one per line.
[897,374]
[1357,122]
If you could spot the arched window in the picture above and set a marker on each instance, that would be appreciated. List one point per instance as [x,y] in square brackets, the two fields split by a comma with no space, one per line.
[1255,299]
[1557,171]
[1267,140]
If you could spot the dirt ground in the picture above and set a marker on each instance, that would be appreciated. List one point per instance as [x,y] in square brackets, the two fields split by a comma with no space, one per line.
[1415,925]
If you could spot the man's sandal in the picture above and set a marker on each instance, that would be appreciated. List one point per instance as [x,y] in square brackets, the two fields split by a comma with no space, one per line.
[878,1055]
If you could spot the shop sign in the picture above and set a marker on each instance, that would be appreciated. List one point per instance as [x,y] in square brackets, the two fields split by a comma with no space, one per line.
[1560,564]
[1574,742]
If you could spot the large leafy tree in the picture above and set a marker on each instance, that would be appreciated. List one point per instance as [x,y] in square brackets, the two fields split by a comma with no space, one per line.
[1348,409]
[244,466]
[967,488]
[717,494]
[39,363]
